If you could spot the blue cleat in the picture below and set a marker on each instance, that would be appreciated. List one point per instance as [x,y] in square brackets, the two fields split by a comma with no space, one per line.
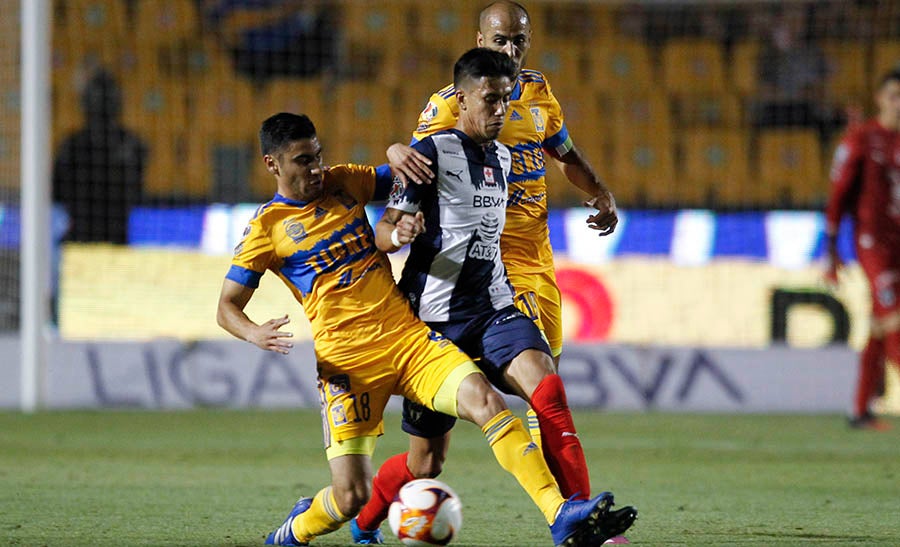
[283,535]
[576,521]
[365,537]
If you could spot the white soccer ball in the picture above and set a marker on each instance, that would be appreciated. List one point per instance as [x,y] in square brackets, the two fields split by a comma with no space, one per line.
[426,512]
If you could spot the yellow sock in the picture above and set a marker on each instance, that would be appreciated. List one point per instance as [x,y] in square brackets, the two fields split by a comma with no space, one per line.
[517,454]
[534,427]
[322,517]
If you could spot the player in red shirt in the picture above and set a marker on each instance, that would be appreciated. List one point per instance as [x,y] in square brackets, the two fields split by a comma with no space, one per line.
[865,180]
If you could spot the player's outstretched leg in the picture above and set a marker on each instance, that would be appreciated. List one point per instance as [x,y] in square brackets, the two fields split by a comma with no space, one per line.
[351,476]
[572,522]
[532,374]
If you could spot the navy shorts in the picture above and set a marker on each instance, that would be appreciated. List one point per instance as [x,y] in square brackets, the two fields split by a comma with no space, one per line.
[493,341]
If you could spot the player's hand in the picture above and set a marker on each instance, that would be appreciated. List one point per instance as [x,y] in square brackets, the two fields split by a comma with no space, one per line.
[833,264]
[268,336]
[408,165]
[409,227]
[607,217]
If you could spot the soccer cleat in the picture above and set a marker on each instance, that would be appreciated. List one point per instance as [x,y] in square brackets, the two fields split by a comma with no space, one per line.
[610,525]
[575,524]
[868,421]
[365,537]
[283,535]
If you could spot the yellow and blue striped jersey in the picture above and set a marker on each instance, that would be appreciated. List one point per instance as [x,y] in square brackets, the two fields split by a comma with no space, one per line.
[324,251]
[534,124]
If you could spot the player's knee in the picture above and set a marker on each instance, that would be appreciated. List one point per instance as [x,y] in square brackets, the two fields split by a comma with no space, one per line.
[478,402]
[351,498]
[429,466]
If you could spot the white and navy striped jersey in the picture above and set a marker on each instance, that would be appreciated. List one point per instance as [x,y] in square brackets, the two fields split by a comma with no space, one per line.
[454,271]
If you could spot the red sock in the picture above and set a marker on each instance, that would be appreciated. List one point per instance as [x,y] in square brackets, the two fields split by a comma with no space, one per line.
[561,446]
[391,476]
[871,364]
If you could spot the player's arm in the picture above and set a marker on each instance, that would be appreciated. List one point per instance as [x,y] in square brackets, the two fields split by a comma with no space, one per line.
[579,172]
[846,171]
[558,144]
[231,317]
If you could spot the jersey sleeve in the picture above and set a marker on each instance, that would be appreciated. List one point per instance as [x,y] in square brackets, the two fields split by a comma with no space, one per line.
[252,256]
[440,113]
[363,182]
[846,171]
[556,138]
[409,198]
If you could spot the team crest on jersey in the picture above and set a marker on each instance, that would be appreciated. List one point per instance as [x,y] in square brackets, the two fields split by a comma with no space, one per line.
[431,110]
[294,229]
[396,190]
[537,117]
[489,177]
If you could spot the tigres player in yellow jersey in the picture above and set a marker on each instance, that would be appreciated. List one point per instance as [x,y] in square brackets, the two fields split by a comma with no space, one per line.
[314,235]
[534,127]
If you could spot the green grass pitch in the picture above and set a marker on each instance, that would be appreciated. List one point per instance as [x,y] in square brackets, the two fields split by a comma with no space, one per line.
[229,477]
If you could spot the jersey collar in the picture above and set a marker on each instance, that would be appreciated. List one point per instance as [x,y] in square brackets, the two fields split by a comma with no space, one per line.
[281,199]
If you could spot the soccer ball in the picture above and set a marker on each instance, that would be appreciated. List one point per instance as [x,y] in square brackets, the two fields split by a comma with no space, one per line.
[426,512]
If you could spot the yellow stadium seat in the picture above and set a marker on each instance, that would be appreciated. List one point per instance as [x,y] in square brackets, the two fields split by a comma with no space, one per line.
[621,67]
[291,95]
[693,66]
[363,110]
[582,112]
[155,107]
[454,25]
[9,157]
[161,175]
[222,108]
[377,24]
[575,23]
[162,22]
[644,169]
[639,115]
[790,166]
[848,72]
[715,163]
[744,67]
[716,110]
[421,67]
[95,24]
[563,66]
[885,57]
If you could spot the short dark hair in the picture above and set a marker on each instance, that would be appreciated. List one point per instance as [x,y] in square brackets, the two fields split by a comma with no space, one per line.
[892,76]
[481,62]
[283,128]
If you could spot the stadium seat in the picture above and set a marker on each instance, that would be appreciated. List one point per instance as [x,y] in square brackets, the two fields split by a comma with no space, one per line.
[221,106]
[154,107]
[643,169]
[291,95]
[848,80]
[94,24]
[363,122]
[454,25]
[165,22]
[714,110]
[693,66]
[744,70]
[420,66]
[377,24]
[575,24]
[582,109]
[621,67]
[885,57]
[161,175]
[563,66]
[714,164]
[639,114]
[790,167]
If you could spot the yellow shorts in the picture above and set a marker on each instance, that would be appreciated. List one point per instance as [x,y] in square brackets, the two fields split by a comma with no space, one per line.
[357,378]
[538,297]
